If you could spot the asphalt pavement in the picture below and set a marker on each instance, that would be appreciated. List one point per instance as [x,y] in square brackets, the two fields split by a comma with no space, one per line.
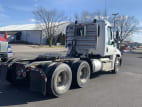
[123,89]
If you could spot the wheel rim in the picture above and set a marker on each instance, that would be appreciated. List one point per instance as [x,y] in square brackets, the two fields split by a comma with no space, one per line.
[84,74]
[117,65]
[62,80]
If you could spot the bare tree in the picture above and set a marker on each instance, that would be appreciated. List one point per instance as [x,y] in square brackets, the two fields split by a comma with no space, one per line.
[127,26]
[76,16]
[49,21]
[85,16]
[98,15]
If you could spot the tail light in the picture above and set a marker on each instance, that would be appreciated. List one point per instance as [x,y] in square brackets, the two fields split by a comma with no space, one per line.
[18,73]
[24,74]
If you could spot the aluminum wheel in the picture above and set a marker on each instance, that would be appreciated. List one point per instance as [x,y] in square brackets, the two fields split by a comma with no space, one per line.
[62,80]
[81,74]
[59,79]
[116,65]
[84,74]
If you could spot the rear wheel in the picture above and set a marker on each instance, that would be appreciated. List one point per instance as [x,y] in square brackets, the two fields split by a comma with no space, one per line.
[81,74]
[59,79]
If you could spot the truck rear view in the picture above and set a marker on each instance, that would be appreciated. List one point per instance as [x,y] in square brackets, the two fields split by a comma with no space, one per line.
[82,37]
[90,49]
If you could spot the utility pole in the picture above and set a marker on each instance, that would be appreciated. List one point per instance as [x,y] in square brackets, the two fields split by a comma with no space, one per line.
[105,11]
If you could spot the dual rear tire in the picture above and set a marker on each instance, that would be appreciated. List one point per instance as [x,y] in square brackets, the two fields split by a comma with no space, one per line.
[81,74]
[60,77]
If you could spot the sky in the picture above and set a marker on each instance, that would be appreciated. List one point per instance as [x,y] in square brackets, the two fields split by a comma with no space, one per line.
[20,11]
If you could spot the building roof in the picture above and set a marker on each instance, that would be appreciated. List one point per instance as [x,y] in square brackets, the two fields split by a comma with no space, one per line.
[20,27]
[24,27]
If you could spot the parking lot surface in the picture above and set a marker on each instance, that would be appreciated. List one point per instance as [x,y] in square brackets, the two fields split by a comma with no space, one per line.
[123,89]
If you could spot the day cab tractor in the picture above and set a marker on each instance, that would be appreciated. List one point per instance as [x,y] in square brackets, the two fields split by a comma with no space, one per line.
[91,48]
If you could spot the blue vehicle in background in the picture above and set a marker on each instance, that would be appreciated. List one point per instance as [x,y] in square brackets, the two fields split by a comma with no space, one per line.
[10,52]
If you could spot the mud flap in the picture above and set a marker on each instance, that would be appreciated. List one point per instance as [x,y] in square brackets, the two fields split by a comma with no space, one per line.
[3,71]
[37,84]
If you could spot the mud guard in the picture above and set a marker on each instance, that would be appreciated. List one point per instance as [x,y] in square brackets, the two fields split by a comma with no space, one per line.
[37,84]
[3,71]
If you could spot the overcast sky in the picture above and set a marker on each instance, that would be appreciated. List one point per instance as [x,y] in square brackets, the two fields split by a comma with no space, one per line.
[20,11]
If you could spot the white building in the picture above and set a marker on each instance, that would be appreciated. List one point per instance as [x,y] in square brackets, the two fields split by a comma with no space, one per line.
[30,33]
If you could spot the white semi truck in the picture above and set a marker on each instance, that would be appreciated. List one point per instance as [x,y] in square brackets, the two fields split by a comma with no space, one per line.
[91,48]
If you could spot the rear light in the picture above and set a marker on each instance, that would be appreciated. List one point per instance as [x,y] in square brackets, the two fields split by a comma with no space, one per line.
[18,73]
[24,74]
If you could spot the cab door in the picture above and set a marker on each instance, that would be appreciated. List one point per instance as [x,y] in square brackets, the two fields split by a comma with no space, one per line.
[109,42]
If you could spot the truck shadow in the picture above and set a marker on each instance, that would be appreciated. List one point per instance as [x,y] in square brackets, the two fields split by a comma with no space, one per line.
[97,74]
[139,57]
[11,95]
[19,95]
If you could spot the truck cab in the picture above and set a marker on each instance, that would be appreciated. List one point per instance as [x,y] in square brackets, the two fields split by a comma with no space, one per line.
[95,41]
[93,38]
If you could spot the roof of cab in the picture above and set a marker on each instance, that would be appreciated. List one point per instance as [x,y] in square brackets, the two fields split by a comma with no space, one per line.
[90,22]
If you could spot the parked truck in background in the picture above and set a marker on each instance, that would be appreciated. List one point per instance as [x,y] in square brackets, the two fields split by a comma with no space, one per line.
[91,48]
[3,49]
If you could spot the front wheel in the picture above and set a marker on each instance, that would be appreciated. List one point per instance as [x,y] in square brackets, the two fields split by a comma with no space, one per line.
[117,65]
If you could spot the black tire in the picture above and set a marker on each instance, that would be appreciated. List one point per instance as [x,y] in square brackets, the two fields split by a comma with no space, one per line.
[59,78]
[117,65]
[81,74]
